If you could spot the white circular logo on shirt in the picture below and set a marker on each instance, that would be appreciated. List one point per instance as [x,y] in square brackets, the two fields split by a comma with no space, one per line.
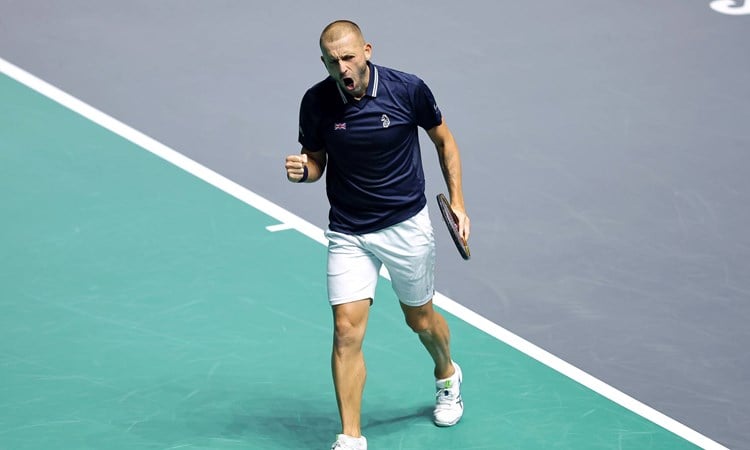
[386,121]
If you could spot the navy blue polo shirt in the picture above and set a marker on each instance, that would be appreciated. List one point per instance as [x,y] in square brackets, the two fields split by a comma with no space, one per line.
[374,176]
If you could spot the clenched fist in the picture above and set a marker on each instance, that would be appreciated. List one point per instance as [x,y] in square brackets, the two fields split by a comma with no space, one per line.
[296,168]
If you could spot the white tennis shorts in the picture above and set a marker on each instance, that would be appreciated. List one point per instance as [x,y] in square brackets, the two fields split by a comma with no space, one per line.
[407,250]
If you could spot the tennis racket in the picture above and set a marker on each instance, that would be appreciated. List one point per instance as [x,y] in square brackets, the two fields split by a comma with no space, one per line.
[452,222]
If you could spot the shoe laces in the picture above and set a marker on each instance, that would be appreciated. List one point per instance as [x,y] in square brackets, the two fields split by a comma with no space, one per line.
[339,445]
[447,396]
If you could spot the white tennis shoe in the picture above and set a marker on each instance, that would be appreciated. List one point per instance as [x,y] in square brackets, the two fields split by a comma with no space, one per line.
[448,404]
[344,442]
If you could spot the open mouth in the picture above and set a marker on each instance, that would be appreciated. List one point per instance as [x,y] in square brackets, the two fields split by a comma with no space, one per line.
[348,83]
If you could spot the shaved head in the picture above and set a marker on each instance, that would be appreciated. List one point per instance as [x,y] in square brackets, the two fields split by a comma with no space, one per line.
[339,29]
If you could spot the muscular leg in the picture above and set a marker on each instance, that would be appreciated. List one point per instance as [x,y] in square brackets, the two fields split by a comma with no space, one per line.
[348,363]
[434,333]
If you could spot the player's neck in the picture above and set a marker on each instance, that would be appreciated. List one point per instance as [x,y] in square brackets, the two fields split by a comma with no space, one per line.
[364,86]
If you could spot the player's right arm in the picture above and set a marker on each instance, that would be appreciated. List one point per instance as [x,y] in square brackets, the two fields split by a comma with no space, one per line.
[315,162]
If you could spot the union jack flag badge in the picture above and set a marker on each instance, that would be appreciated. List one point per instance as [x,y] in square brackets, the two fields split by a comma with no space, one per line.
[339,126]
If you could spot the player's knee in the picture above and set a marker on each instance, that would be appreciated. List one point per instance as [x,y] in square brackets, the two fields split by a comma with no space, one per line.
[347,334]
[349,323]
[418,322]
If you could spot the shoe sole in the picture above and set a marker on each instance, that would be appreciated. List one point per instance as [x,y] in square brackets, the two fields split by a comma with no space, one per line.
[446,424]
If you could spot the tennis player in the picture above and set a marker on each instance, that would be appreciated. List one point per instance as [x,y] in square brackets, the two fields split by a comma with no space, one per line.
[361,123]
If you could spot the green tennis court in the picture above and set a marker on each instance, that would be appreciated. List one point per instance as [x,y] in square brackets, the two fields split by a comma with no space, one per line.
[143,308]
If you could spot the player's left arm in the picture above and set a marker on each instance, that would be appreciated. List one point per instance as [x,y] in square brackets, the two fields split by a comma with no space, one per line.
[450,164]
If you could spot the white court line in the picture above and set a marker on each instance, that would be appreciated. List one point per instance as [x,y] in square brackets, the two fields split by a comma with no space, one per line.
[280,227]
[289,220]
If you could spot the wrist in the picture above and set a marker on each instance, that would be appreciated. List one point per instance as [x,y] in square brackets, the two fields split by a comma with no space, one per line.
[305,174]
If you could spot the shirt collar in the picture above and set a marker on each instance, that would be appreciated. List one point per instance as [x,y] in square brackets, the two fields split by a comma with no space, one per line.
[372,85]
